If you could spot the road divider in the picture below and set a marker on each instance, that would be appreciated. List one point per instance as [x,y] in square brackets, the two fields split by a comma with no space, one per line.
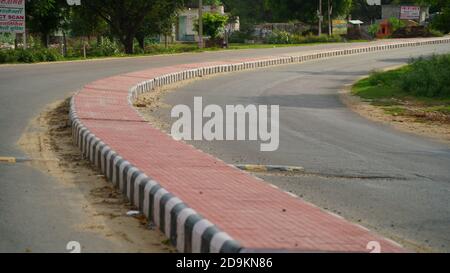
[201,203]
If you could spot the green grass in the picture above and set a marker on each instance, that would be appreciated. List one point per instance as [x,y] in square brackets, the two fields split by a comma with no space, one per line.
[380,85]
[395,110]
[443,109]
[423,84]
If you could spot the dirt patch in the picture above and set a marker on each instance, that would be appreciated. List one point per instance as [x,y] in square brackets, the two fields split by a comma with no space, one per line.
[415,120]
[149,102]
[48,141]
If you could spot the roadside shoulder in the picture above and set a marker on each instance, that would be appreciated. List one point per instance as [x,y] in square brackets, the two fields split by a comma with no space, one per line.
[433,129]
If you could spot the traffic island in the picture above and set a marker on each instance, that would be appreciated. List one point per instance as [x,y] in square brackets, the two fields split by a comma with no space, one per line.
[201,203]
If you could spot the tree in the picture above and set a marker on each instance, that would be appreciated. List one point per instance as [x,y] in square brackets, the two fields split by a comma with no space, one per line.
[159,21]
[250,12]
[44,17]
[364,12]
[213,24]
[441,21]
[305,10]
[126,17]
[85,22]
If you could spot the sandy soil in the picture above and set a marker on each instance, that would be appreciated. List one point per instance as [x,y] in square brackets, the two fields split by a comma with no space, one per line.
[48,140]
[428,126]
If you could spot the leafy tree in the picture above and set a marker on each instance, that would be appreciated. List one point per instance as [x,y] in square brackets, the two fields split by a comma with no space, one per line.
[85,22]
[44,17]
[442,21]
[213,24]
[257,11]
[250,12]
[306,10]
[126,17]
[364,12]
[159,21]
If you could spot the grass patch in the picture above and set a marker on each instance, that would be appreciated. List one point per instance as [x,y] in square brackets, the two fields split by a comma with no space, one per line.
[395,110]
[441,109]
[423,85]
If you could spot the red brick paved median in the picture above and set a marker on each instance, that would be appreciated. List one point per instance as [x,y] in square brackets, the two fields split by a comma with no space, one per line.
[254,213]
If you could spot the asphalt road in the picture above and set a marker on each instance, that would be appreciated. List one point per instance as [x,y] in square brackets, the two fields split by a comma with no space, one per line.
[33,213]
[389,181]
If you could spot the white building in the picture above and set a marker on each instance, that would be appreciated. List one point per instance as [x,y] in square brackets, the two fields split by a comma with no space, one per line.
[416,13]
[184,30]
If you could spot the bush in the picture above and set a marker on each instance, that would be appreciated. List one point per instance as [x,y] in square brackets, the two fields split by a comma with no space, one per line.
[428,77]
[279,37]
[240,37]
[105,48]
[442,21]
[396,23]
[283,37]
[435,33]
[213,24]
[29,55]
[373,29]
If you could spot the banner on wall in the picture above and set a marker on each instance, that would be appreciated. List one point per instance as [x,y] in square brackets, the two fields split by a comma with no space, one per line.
[12,16]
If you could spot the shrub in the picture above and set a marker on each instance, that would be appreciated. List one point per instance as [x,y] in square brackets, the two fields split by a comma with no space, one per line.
[26,55]
[435,33]
[6,56]
[396,23]
[29,55]
[213,24]
[373,29]
[105,48]
[442,21]
[279,37]
[428,77]
[240,37]
[283,37]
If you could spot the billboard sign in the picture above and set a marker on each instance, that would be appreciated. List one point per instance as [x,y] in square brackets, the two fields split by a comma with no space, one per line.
[409,12]
[12,16]
[339,27]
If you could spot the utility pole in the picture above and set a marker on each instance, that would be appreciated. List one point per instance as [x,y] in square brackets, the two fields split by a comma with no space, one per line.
[24,35]
[320,17]
[200,23]
[330,10]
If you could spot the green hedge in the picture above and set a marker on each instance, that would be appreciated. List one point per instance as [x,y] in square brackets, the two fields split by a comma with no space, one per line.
[31,55]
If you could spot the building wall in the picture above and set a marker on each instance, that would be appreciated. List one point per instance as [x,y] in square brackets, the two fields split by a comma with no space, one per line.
[388,11]
[186,21]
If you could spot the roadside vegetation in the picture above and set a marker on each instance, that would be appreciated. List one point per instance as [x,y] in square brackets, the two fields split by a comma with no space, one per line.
[420,89]
[98,28]
[93,51]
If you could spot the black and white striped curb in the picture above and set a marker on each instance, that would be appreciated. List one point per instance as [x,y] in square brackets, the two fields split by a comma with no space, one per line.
[186,229]
[171,78]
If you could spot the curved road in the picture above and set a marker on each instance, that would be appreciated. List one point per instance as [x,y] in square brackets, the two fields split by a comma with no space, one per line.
[389,181]
[33,209]
[34,212]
